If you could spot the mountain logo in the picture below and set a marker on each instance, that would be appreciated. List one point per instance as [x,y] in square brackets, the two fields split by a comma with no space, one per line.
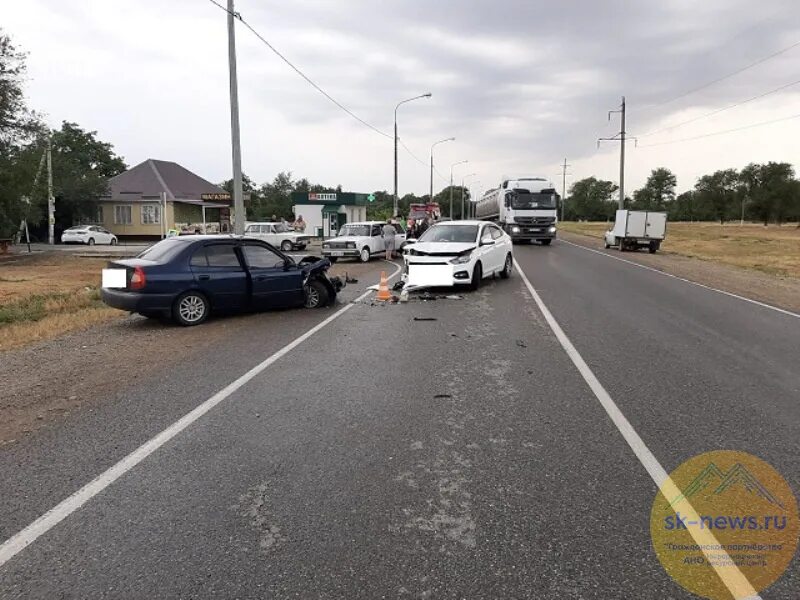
[717,482]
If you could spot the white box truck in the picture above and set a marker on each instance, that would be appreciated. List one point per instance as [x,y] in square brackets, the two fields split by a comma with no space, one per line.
[634,229]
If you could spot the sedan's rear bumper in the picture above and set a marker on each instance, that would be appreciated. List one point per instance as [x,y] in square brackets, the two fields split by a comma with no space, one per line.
[137,301]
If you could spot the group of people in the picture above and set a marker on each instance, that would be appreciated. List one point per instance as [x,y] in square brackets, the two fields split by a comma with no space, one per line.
[297,224]
[415,228]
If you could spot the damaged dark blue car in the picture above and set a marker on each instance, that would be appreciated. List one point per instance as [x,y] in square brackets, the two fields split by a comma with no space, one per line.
[187,278]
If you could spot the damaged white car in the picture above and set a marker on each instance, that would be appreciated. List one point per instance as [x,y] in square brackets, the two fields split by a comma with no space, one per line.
[457,253]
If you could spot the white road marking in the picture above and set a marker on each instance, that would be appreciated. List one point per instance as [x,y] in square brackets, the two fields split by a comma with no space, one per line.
[731,576]
[16,543]
[707,287]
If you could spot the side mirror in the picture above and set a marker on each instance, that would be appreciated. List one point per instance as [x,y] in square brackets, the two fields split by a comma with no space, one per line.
[487,242]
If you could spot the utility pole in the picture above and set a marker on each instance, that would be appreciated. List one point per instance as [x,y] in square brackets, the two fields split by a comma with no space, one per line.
[450,139]
[620,137]
[239,215]
[463,179]
[461,162]
[51,201]
[563,186]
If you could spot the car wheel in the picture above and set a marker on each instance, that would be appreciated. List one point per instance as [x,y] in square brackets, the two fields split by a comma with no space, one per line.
[607,246]
[191,308]
[286,246]
[365,254]
[546,242]
[113,241]
[90,241]
[316,294]
[506,272]
[477,276]
[653,247]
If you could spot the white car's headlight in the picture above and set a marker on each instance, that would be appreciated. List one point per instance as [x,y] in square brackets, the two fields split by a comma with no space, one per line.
[552,230]
[326,245]
[460,260]
[515,229]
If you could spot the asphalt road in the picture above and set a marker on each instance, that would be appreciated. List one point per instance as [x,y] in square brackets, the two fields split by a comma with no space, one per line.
[390,457]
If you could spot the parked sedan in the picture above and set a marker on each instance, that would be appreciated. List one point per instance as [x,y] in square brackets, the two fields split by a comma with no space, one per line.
[279,235]
[89,235]
[361,240]
[188,278]
[457,253]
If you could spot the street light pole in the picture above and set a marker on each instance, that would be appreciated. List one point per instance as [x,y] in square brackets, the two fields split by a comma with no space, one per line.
[463,179]
[461,162]
[426,95]
[451,139]
[236,148]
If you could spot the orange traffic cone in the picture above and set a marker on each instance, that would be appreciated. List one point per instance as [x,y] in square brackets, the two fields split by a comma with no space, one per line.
[383,289]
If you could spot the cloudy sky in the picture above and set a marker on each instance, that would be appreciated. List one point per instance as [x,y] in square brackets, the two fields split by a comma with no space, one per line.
[520,84]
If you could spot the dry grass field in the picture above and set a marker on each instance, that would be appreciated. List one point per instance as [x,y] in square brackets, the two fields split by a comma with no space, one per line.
[773,249]
[43,296]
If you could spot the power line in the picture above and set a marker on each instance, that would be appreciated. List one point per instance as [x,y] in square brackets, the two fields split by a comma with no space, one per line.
[419,160]
[698,137]
[238,16]
[719,110]
[724,77]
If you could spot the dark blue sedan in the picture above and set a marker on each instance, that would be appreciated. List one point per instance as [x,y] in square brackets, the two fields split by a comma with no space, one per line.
[189,277]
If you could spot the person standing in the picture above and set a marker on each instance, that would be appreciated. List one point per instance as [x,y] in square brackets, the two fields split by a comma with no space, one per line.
[389,233]
[299,224]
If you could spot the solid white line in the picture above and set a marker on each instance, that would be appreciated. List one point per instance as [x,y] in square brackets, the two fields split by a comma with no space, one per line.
[733,579]
[707,287]
[16,543]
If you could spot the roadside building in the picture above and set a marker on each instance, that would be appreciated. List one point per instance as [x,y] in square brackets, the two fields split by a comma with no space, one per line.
[326,212]
[157,196]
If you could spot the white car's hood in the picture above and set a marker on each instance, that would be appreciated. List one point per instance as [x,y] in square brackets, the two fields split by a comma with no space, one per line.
[348,238]
[442,248]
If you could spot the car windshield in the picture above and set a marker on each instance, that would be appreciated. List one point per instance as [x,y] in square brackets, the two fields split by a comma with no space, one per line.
[163,251]
[359,230]
[78,228]
[521,201]
[450,233]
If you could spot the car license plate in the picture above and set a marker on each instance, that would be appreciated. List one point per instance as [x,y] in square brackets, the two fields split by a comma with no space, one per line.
[337,253]
[535,229]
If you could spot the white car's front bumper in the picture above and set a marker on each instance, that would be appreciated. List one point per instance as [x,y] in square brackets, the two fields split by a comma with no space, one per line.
[422,271]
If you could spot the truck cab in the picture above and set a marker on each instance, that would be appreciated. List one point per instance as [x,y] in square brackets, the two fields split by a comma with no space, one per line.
[525,207]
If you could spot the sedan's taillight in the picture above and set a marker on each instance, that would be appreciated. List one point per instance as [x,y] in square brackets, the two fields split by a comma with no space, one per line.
[137,279]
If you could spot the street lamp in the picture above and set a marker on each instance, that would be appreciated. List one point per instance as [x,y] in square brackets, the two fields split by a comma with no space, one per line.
[461,162]
[427,95]
[465,177]
[450,139]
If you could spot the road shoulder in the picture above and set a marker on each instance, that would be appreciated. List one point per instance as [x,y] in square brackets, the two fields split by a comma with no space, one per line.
[782,292]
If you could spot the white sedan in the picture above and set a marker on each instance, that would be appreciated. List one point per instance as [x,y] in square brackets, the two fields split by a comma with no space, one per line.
[457,253]
[89,235]
[361,240]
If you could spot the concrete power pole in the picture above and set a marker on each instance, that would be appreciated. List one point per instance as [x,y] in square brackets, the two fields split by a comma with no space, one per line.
[239,215]
[51,201]
[620,137]
[563,186]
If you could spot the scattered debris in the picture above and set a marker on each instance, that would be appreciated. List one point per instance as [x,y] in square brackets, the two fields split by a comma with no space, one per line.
[398,285]
[427,296]
[521,344]
[453,334]
[348,279]
[425,319]
[454,297]
[442,396]
[404,296]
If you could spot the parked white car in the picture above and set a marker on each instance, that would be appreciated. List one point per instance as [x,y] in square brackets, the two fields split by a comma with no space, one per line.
[361,240]
[89,235]
[279,235]
[457,253]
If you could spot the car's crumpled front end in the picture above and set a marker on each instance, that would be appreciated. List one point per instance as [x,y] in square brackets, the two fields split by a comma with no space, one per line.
[315,267]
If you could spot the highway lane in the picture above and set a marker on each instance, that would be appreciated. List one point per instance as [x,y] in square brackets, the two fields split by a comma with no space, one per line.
[693,370]
[461,457]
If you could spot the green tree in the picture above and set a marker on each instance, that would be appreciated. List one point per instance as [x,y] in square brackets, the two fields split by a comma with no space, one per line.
[82,166]
[18,125]
[590,199]
[658,191]
[770,191]
[443,198]
[719,191]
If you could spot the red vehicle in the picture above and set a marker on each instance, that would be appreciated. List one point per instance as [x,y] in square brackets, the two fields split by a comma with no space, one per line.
[430,210]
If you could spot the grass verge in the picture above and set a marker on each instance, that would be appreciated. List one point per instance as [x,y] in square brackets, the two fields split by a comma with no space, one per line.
[774,249]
